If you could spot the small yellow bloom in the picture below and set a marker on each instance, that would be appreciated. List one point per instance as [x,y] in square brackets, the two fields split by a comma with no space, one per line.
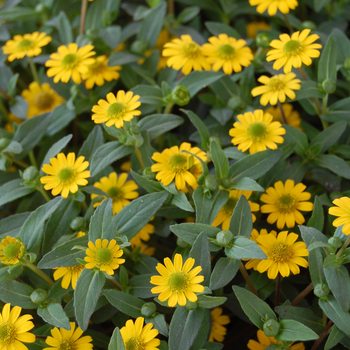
[70,274]
[104,255]
[143,235]
[27,45]
[292,116]
[11,250]
[256,132]
[177,282]
[254,27]
[218,331]
[276,88]
[273,5]
[65,174]
[342,210]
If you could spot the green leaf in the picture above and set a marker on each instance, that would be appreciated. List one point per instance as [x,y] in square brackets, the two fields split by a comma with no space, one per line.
[244,248]
[126,303]
[293,330]
[297,137]
[223,273]
[61,116]
[92,143]
[220,160]
[14,147]
[309,89]
[146,150]
[7,274]
[159,323]
[149,94]
[333,163]
[245,184]
[149,185]
[120,58]
[19,14]
[180,200]
[320,4]
[241,223]
[140,286]
[310,235]
[317,217]
[53,314]
[209,302]
[13,190]
[335,336]
[234,153]
[86,295]
[17,293]
[64,29]
[327,65]
[12,225]
[254,165]
[116,342]
[256,309]
[216,28]
[133,217]
[95,16]
[187,14]
[19,107]
[110,35]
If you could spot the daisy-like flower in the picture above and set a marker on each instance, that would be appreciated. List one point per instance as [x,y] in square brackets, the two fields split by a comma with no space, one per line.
[283,253]
[276,88]
[70,275]
[342,210]
[14,329]
[273,5]
[293,51]
[68,340]
[117,109]
[225,213]
[264,342]
[218,321]
[292,116]
[173,163]
[227,53]
[104,255]
[99,72]
[186,54]
[283,202]
[11,250]
[27,45]
[65,174]
[254,27]
[120,191]
[143,235]
[139,337]
[145,249]
[177,282]
[70,61]
[41,99]
[256,132]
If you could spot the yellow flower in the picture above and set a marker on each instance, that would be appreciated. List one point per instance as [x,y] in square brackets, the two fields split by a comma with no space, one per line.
[273,5]
[27,45]
[120,191]
[117,109]
[143,235]
[173,163]
[293,51]
[99,72]
[253,28]
[264,342]
[70,274]
[186,54]
[164,37]
[126,166]
[11,250]
[145,249]
[256,132]
[139,337]
[284,202]
[80,234]
[177,282]
[70,62]
[104,255]
[218,331]
[227,53]
[283,254]
[14,329]
[342,210]
[225,213]
[65,174]
[68,340]
[41,99]
[292,116]
[276,88]
[12,119]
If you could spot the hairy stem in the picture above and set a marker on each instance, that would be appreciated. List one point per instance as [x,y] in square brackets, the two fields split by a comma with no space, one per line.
[278,290]
[33,70]
[248,280]
[282,112]
[139,157]
[84,4]
[40,273]
[303,294]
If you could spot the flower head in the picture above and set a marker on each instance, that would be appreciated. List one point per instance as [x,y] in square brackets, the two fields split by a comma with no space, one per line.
[41,99]
[284,202]
[117,109]
[65,174]
[186,54]
[62,339]
[225,213]
[276,88]
[273,5]
[70,274]
[283,253]
[104,255]
[70,62]
[120,191]
[27,45]
[143,235]
[256,132]
[99,72]
[218,331]
[254,27]
[292,116]
[293,51]
[227,53]
[177,282]
[139,337]
[11,250]
[14,329]
[174,163]
[342,209]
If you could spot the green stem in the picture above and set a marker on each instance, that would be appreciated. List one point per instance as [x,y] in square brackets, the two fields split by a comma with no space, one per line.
[345,245]
[139,157]
[282,112]
[171,8]
[40,273]
[115,283]
[303,294]
[248,280]
[33,70]
[18,162]
[32,159]
[324,104]
[84,207]
[84,4]
[290,28]
[278,289]
[44,193]
[168,108]
[6,95]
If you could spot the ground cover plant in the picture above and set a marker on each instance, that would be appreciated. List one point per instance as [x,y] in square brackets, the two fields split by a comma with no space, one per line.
[174,174]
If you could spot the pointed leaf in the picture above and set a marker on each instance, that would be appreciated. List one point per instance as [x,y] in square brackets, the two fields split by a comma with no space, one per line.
[293,330]
[241,223]
[53,314]
[224,272]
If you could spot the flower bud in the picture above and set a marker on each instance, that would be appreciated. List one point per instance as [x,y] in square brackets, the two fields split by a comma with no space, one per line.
[77,223]
[347,63]
[40,8]
[4,142]
[271,328]
[336,242]
[308,25]
[180,95]
[329,86]
[234,102]
[139,46]
[181,243]
[321,290]
[224,238]
[147,172]
[30,174]
[263,40]
[211,182]
[225,183]
[148,309]
[38,296]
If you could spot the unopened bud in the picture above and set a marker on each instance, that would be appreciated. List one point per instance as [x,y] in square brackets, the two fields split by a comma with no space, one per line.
[308,25]
[224,238]
[211,182]
[329,86]
[271,328]
[77,223]
[30,174]
[347,63]
[148,309]
[4,142]
[336,242]
[321,290]
[234,102]
[38,296]
[180,95]
[263,40]
[139,46]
